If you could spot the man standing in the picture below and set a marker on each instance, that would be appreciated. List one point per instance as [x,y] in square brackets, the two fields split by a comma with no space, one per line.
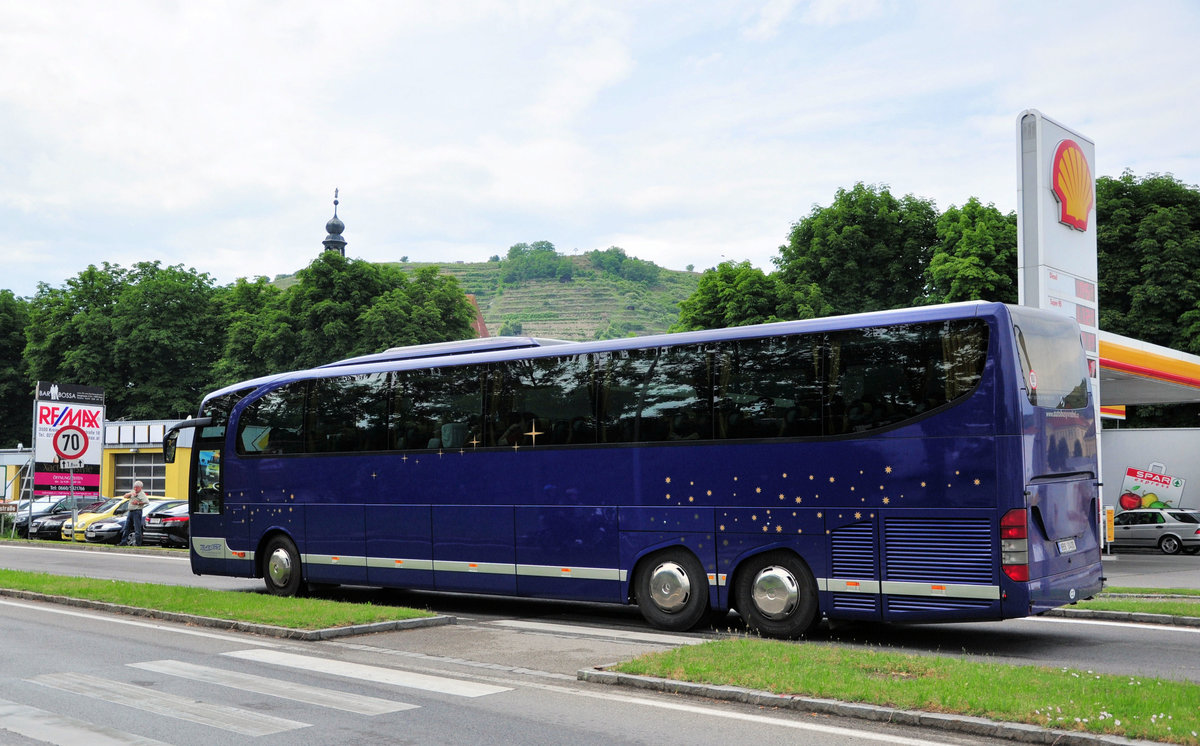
[132,533]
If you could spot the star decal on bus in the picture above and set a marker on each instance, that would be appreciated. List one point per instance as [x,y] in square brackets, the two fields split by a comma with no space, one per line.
[533,433]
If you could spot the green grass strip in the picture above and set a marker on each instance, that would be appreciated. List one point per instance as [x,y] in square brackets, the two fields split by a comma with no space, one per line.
[1153,591]
[1068,699]
[256,608]
[1182,607]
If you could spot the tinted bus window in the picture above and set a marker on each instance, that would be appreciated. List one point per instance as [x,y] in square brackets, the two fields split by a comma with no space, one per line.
[885,375]
[1053,365]
[544,401]
[656,395]
[770,388]
[274,423]
[349,413]
[438,408]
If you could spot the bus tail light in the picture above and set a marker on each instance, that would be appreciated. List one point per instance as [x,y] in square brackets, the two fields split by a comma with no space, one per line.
[1014,545]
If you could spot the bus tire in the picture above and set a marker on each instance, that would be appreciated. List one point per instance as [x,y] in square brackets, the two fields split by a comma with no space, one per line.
[281,567]
[1170,544]
[776,595]
[672,590]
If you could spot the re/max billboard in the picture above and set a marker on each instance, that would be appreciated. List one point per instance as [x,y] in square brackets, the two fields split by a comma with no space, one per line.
[68,439]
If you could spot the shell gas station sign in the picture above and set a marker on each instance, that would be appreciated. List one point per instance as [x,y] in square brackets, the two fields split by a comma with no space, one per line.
[1056,226]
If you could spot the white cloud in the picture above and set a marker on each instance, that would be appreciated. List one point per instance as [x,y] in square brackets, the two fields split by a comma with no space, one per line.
[212,134]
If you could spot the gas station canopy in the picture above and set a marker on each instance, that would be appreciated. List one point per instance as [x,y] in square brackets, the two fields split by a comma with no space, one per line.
[1136,372]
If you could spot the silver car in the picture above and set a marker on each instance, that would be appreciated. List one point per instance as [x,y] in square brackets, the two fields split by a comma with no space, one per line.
[1168,529]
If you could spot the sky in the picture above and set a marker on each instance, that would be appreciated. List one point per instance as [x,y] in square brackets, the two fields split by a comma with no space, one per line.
[212,134]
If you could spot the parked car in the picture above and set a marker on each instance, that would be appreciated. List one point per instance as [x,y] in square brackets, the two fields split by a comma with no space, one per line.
[49,525]
[105,510]
[1168,529]
[42,506]
[168,525]
[106,530]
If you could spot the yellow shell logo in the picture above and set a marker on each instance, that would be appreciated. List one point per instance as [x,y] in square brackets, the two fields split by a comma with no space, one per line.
[1073,185]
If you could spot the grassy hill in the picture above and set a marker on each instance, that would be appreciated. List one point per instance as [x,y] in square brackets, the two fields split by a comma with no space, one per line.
[593,304]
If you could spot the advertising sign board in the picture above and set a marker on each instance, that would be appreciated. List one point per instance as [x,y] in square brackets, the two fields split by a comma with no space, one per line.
[1151,488]
[68,439]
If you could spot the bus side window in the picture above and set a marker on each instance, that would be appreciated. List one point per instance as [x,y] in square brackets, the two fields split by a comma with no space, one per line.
[437,408]
[769,388]
[543,401]
[349,413]
[274,424]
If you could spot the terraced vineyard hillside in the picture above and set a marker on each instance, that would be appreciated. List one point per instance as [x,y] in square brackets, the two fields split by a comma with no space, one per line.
[593,304]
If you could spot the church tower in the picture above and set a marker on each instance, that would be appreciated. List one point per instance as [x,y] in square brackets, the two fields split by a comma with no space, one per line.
[334,241]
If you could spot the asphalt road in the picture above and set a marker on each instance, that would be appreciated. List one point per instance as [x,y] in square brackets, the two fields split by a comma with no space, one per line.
[72,676]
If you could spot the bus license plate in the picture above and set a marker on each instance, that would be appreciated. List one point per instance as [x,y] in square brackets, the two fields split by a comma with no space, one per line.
[1066,546]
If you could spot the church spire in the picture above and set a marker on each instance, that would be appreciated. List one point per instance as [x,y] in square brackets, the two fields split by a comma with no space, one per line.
[334,241]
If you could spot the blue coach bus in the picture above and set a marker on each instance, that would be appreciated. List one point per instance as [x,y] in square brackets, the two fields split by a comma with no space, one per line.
[925,464]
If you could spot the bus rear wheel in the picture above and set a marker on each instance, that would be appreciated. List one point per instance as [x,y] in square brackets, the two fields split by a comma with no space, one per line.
[672,590]
[776,595]
[281,567]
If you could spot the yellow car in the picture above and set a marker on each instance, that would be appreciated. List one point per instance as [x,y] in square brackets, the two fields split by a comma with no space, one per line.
[77,530]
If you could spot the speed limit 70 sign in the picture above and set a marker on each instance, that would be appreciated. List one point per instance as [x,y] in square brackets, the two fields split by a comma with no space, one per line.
[70,442]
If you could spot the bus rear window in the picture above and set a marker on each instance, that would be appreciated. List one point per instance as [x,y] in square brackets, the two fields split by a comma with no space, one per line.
[1053,365]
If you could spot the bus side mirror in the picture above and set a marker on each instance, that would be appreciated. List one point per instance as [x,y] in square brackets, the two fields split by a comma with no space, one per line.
[171,437]
[169,441]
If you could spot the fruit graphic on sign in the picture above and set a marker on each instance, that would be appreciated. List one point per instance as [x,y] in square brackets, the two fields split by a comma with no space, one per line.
[1129,501]
[1149,499]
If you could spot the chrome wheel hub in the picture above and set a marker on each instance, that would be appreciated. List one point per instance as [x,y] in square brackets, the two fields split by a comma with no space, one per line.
[670,587]
[279,567]
[775,592]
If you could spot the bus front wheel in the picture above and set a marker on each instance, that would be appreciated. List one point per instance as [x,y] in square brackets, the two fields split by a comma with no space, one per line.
[281,569]
[777,595]
[672,590]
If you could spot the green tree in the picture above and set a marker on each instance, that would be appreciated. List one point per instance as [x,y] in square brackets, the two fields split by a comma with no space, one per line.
[325,304]
[144,334]
[257,331]
[867,251]
[16,388]
[614,261]
[166,329]
[729,295]
[346,307]
[536,261]
[70,333]
[976,255]
[1148,249]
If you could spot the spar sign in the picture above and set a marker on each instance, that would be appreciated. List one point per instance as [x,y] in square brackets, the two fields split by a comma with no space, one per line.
[1150,488]
[69,439]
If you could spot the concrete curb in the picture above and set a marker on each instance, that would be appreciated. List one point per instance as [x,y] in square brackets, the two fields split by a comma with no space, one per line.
[258,629]
[975,726]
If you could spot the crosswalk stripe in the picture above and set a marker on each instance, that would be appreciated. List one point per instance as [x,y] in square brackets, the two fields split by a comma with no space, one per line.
[356,703]
[169,705]
[618,634]
[50,727]
[375,674]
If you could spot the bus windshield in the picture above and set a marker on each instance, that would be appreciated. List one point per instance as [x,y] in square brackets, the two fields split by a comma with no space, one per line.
[1053,380]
